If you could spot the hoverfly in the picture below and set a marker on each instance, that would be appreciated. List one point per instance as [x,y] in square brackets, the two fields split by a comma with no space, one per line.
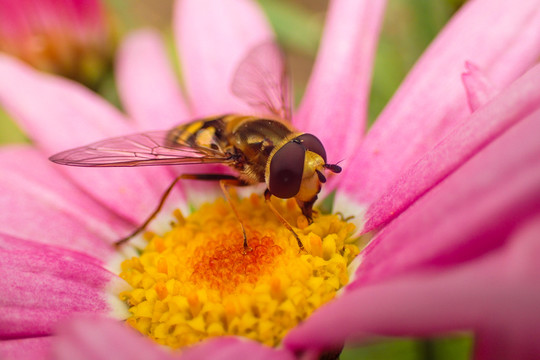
[262,149]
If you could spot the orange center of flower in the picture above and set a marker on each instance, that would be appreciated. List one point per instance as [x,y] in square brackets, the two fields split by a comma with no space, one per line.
[196,281]
[223,265]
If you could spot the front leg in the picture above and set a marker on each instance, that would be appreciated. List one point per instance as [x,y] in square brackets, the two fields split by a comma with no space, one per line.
[307,208]
[267,196]
[233,181]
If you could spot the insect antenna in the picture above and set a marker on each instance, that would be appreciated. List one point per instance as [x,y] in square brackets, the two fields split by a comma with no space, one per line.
[336,169]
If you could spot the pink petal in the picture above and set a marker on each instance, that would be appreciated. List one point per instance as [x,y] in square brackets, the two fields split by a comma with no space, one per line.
[59,114]
[468,214]
[44,284]
[147,83]
[15,26]
[49,208]
[55,112]
[213,36]
[496,296]
[96,338]
[478,87]
[335,104]
[230,348]
[511,106]
[499,36]
[25,349]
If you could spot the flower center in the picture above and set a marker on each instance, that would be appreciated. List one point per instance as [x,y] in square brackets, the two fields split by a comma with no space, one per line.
[196,281]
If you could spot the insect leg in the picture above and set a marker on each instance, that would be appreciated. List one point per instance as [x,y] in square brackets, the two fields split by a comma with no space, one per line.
[152,215]
[234,182]
[307,208]
[206,177]
[267,196]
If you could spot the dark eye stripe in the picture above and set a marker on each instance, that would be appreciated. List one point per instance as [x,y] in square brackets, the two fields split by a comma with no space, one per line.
[286,169]
[313,144]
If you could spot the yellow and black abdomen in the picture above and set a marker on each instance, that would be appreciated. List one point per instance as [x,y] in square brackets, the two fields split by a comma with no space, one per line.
[206,133]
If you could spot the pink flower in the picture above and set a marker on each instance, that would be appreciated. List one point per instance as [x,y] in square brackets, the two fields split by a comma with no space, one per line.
[72,38]
[448,178]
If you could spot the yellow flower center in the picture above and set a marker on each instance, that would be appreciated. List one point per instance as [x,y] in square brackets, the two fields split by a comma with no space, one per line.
[196,281]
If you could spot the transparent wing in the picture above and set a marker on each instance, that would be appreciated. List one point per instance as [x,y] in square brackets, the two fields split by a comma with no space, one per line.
[143,149]
[261,80]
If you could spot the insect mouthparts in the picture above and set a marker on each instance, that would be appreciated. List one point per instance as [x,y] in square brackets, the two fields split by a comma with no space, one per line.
[322,178]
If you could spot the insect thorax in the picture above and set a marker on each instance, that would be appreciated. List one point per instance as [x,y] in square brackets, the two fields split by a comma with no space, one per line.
[256,138]
[250,140]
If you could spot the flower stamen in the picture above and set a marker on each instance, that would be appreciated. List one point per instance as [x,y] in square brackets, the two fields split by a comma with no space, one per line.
[196,281]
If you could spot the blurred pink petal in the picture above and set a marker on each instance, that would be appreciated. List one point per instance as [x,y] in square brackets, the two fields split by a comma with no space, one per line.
[478,87]
[147,83]
[468,214]
[97,338]
[72,38]
[58,114]
[496,296]
[80,117]
[229,348]
[25,349]
[49,209]
[511,106]
[431,100]
[44,284]
[337,94]
[213,36]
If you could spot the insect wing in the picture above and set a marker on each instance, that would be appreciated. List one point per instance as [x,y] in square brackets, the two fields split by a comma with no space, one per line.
[143,149]
[261,80]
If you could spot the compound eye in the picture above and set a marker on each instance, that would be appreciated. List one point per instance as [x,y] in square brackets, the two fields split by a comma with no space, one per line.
[313,144]
[286,169]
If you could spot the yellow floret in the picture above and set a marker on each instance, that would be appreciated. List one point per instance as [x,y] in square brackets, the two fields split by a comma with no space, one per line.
[196,281]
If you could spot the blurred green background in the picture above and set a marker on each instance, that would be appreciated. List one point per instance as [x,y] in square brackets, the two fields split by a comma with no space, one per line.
[408,28]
